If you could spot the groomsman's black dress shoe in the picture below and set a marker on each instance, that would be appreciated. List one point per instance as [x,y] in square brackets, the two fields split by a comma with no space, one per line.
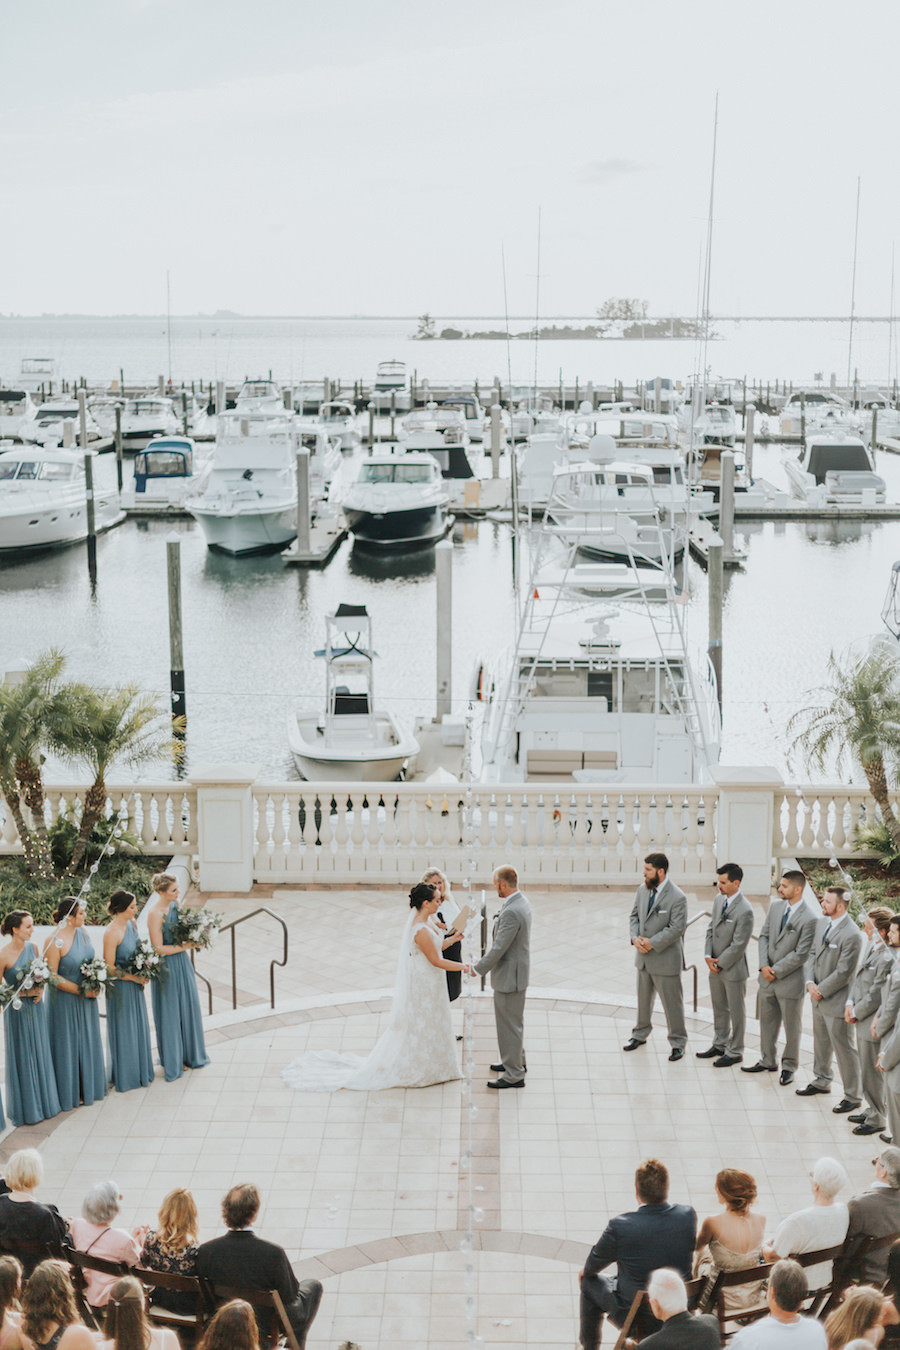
[787,1077]
[677,1053]
[711,1053]
[632,1044]
[858,1119]
[758,1068]
[812,1091]
[888,1138]
[843,1107]
[867,1129]
[499,1068]
[726,1061]
[505,1083]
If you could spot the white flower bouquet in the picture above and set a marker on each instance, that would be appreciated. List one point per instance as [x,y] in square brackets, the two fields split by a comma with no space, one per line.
[146,962]
[95,975]
[196,926]
[35,977]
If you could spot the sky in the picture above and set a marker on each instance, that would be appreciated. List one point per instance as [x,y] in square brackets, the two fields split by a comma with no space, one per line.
[348,157]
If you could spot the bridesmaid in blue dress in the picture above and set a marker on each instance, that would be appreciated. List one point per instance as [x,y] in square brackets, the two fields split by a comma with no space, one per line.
[176,1003]
[127,1028]
[30,1081]
[75,1043]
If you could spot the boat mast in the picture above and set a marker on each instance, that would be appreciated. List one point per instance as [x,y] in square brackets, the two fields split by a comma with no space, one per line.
[169,323]
[709,238]
[891,324]
[537,309]
[853,291]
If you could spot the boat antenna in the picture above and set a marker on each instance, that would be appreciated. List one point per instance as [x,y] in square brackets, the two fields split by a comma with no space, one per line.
[537,308]
[514,491]
[853,290]
[707,275]
[169,322]
[891,322]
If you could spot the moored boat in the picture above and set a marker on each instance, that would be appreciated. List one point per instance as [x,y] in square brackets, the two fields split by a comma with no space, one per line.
[397,502]
[43,500]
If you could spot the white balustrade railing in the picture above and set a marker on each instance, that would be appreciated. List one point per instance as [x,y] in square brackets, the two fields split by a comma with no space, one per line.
[161,816]
[377,832]
[820,821]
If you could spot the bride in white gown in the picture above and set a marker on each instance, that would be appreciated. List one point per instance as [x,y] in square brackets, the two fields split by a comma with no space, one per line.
[418,1047]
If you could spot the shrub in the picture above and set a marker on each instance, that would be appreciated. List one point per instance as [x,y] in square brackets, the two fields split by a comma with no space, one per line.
[877,838]
[40,898]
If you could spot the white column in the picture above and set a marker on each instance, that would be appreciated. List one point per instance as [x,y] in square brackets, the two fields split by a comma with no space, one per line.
[745,824]
[225,835]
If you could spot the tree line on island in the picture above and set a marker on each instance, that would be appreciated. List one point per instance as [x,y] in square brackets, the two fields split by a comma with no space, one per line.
[616,318]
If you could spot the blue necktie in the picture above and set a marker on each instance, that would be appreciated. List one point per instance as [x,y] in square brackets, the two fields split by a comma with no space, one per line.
[784,918]
[724,906]
[826,935]
[651,903]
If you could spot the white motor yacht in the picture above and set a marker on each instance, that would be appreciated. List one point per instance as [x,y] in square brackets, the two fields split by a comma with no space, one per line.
[338,421]
[142,419]
[166,474]
[248,503]
[16,407]
[439,431]
[620,511]
[473,413]
[716,425]
[813,408]
[390,388]
[46,426]
[833,467]
[260,396]
[43,501]
[398,501]
[352,742]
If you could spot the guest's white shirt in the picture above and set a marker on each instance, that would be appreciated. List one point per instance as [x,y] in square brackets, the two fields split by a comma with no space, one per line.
[770,1334]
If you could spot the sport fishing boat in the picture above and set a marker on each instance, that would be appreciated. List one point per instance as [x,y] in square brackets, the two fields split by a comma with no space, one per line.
[248,503]
[351,742]
[165,476]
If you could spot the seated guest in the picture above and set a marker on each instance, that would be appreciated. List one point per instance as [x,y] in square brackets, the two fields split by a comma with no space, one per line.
[125,1326]
[94,1233]
[823,1224]
[873,1214]
[241,1260]
[784,1328]
[858,1318]
[48,1305]
[172,1246]
[11,1336]
[656,1234]
[22,1217]
[890,1313]
[732,1239]
[233,1328]
[680,1330]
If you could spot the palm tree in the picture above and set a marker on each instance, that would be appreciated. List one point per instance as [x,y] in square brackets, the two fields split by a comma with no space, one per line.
[29,712]
[112,725]
[860,716]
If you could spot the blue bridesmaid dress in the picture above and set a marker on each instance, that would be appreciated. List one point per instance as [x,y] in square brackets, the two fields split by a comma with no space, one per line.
[176,1010]
[127,1028]
[75,1043]
[31,1093]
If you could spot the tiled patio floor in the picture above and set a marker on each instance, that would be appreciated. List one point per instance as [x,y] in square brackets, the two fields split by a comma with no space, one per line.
[367,1190]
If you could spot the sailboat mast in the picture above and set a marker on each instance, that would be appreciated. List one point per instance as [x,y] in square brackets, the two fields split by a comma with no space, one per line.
[853,291]
[709,241]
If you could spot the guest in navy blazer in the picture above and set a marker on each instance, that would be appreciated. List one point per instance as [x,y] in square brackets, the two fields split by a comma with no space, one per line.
[654,1235]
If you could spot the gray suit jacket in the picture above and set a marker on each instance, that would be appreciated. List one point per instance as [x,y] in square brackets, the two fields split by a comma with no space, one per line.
[664,927]
[786,951]
[890,1000]
[727,940]
[874,1213]
[890,1059]
[832,965]
[868,987]
[509,956]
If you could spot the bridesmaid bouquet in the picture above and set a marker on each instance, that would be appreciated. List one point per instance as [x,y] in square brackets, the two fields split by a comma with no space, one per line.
[145,961]
[196,926]
[37,975]
[95,975]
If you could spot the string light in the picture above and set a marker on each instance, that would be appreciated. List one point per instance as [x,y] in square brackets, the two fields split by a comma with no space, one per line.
[473,1213]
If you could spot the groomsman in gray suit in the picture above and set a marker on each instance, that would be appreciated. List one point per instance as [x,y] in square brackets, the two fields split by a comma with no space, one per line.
[657,925]
[785,942]
[727,939]
[508,962]
[883,1024]
[863,1002]
[829,974]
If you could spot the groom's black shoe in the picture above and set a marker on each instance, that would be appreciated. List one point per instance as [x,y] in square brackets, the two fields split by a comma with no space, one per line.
[505,1083]
[632,1044]
[712,1053]
[501,1068]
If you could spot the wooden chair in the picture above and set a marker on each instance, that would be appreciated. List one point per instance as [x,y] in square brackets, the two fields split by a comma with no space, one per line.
[82,1261]
[731,1321]
[194,1289]
[274,1323]
[31,1252]
[846,1265]
[819,1297]
[631,1329]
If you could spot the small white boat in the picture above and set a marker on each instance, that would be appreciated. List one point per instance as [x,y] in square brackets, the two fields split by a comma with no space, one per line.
[473,413]
[260,396]
[338,421]
[142,419]
[815,408]
[399,501]
[390,383]
[16,407]
[833,467]
[439,431]
[716,425]
[43,502]
[165,476]
[47,424]
[248,503]
[352,742]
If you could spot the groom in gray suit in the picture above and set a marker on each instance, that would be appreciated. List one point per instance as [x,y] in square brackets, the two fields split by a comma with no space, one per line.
[508,962]
[829,973]
[727,939]
[657,925]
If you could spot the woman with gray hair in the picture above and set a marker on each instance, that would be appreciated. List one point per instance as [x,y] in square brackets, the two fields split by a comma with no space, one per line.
[22,1216]
[93,1233]
[823,1224]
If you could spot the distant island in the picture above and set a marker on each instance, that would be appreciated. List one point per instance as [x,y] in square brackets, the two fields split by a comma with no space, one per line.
[616,319]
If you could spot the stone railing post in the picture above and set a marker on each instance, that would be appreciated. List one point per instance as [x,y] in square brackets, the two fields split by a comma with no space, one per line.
[745,822]
[225,836]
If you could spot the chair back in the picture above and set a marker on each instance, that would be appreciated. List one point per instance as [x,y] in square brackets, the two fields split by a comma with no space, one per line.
[274,1323]
[193,1294]
[633,1329]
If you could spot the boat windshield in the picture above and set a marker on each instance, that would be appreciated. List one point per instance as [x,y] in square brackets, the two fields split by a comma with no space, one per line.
[162,464]
[56,414]
[12,395]
[396,473]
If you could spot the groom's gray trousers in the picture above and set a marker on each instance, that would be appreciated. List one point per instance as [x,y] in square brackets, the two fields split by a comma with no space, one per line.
[509,1014]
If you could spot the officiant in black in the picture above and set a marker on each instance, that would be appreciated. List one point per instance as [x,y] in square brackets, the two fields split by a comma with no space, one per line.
[447,911]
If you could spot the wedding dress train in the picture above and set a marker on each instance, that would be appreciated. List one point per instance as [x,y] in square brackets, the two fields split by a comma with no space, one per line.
[418,1047]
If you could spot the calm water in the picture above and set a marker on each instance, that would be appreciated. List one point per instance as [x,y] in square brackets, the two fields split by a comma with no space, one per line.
[251,626]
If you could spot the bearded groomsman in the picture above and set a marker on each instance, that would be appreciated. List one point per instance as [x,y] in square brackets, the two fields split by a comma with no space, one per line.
[785,941]
[829,974]
[657,925]
[863,1002]
[727,938]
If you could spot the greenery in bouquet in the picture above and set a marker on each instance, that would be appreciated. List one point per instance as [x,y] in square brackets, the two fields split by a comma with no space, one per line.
[195,926]
[95,975]
[36,976]
[146,962]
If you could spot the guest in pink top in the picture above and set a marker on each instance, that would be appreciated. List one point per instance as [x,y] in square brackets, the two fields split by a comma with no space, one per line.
[94,1233]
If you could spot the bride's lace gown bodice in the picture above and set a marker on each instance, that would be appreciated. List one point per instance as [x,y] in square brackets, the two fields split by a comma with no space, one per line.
[418,1047]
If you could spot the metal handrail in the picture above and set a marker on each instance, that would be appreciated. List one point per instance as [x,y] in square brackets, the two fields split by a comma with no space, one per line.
[702,914]
[230,927]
